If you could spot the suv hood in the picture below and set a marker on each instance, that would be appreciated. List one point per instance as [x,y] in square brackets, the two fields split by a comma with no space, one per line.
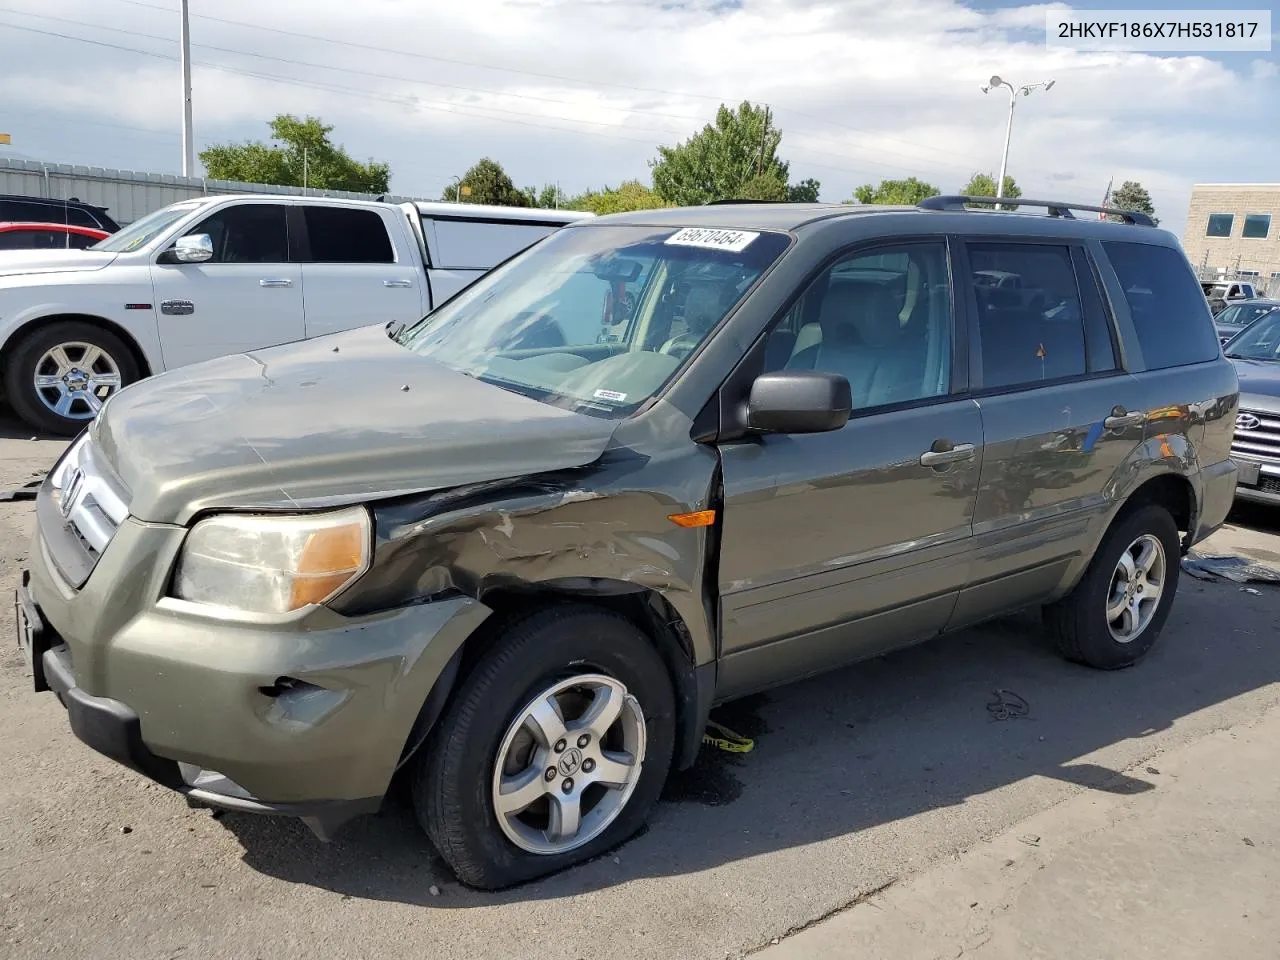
[18,262]
[1259,385]
[345,418]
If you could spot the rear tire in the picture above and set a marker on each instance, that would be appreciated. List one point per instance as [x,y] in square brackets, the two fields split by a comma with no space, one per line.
[499,742]
[1110,620]
[79,364]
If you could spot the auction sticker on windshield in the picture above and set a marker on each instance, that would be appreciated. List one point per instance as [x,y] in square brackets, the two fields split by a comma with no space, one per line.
[735,241]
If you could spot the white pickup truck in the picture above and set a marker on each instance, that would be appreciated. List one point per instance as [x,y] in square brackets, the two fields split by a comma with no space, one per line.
[221,275]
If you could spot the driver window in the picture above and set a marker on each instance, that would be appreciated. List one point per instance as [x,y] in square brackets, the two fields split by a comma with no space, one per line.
[880,319]
[247,233]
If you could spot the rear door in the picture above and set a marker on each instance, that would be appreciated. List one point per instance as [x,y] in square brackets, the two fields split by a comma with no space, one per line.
[839,546]
[351,276]
[1059,416]
[248,296]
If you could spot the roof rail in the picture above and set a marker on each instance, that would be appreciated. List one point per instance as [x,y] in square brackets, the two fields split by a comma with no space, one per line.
[720,203]
[1055,208]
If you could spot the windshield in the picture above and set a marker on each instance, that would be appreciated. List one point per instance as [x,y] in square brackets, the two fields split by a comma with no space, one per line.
[1259,342]
[1217,293]
[141,232]
[596,319]
[1242,316]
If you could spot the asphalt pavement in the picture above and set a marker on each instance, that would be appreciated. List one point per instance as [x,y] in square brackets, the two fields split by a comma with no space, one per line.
[875,778]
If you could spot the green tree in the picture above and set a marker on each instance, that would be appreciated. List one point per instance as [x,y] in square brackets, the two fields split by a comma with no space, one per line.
[984,185]
[302,155]
[734,158]
[906,192]
[628,195]
[487,182]
[548,198]
[806,191]
[1132,195]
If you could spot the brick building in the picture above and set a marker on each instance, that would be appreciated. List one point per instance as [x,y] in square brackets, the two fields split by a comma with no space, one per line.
[1233,230]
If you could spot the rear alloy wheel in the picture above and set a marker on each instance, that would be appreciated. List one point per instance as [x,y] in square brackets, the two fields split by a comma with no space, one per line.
[59,376]
[1136,587]
[552,750]
[1114,615]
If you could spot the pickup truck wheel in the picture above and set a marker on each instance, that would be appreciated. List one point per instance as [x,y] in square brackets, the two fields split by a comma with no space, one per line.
[59,375]
[553,750]
[1115,614]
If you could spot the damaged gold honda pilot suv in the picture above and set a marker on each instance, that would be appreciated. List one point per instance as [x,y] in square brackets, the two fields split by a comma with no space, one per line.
[655,462]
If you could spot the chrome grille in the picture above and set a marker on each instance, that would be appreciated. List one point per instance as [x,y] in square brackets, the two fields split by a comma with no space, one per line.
[90,503]
[1257,435]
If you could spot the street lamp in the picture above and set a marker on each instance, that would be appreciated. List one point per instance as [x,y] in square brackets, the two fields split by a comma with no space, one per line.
[994,83]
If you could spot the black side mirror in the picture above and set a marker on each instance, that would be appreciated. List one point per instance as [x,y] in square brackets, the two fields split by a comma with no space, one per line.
[799,401]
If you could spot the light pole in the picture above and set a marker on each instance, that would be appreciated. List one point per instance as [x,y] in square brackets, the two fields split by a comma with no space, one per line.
[188,141]
[1025,90]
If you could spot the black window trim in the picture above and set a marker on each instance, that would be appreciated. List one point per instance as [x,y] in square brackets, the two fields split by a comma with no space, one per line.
[300,252]
[966,288]
[730,396]
[222,209]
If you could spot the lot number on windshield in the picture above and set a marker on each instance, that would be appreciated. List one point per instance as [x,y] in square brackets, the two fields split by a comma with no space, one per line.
[735,241]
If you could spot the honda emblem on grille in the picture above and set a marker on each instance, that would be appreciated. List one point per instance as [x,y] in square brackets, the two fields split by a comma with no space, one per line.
[75,477]
[1247,421]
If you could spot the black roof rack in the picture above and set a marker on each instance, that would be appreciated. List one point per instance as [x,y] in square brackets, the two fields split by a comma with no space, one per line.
[720,203]
[1056,208]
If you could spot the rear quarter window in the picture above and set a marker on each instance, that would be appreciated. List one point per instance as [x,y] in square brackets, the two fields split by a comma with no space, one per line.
[476,245]
[1170,315]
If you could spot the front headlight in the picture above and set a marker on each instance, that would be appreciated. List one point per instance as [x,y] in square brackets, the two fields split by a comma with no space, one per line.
[272,564]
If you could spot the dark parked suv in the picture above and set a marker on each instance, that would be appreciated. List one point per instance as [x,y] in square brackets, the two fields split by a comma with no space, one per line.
[48,210]
[524,545]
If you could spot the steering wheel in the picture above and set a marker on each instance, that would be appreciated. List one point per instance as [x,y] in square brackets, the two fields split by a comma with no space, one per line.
[681,346]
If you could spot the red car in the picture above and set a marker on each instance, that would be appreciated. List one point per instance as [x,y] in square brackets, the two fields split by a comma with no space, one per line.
[48,236]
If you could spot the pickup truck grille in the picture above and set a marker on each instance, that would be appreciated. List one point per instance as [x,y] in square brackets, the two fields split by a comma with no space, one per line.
[1260,442]
[83,507]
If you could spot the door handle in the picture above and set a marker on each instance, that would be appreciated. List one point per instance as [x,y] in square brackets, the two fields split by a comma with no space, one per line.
[275,282]
[397,283]
[1121,418]
[938,458]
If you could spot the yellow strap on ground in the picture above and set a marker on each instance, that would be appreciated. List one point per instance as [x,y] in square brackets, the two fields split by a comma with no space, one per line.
[722,738]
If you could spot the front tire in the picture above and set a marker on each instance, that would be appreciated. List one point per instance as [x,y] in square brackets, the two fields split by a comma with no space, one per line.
[1115,614]
[552,751]
[60,374]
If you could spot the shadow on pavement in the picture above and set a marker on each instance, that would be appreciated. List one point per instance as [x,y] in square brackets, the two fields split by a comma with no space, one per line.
[1255,516]
[868,745]
[11,428]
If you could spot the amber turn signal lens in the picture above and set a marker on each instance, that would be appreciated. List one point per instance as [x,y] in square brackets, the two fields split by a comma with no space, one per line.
[699,518]
[328,560]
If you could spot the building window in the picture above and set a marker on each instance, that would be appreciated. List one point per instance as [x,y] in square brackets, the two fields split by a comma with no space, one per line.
[1220,224]
[1256,226]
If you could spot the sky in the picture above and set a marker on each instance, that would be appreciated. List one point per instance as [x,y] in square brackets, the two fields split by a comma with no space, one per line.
[581,92]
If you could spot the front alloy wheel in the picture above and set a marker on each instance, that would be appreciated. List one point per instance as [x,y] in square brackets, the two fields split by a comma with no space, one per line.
[73,379]
[553,747]
[568,764]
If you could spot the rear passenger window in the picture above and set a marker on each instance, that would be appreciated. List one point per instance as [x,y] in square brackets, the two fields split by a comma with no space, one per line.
[1170,314]
[347,235]
[1031,324]
[79,217]
[880,319]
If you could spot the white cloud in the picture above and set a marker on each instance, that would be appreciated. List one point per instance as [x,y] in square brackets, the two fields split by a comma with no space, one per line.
[862,89]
